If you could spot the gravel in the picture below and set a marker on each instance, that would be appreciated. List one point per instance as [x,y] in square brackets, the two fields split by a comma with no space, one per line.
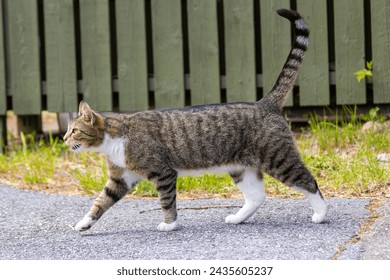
[36,225]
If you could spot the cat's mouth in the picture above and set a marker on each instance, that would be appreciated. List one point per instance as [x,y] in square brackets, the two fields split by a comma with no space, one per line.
[76,147]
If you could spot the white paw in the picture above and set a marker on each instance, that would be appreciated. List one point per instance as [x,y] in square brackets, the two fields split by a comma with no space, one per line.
[85,224]
[233,219]
[318,218]
[167,227]
[319,206]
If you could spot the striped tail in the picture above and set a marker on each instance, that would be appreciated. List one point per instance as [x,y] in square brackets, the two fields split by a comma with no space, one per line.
[287,77]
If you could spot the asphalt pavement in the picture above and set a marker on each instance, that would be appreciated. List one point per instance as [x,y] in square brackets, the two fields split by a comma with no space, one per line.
[377,241]
[37,225]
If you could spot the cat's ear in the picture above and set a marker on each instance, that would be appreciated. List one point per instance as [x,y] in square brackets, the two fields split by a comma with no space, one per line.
[83,106]
[87,113]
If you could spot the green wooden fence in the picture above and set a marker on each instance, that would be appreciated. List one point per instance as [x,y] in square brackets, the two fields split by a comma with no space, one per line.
[129,55]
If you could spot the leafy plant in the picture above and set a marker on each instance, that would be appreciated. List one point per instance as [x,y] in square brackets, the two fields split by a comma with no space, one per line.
[373,115]
[365,72]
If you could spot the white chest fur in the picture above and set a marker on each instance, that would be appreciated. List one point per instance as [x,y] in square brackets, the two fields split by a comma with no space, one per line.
[114,148]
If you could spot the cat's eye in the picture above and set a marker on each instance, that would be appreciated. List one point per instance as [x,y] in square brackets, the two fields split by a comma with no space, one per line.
[74,130]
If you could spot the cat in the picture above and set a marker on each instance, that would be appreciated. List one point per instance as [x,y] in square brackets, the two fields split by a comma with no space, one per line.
[241,139]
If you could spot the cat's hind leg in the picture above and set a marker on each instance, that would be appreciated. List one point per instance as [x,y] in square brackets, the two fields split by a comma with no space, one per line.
[251,184]
[293,173]
[317,202]
[302,180]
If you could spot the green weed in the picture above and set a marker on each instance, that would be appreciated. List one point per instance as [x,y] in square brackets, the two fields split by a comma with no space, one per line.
[144,189]
[35,159]
[365,72]
[208,184]
[343,157]
[91,172]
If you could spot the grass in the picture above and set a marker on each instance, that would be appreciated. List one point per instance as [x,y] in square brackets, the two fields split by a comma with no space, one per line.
[35,159]
[208,185]
[342,157]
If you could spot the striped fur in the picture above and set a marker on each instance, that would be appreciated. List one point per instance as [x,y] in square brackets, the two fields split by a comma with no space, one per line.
[287,77]
[241,139]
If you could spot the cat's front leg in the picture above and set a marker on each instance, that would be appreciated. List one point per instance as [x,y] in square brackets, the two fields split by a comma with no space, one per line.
[113,191]
[166,188]
[85,224]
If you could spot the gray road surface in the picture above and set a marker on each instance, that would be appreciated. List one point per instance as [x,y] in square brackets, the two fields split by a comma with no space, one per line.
[35,225]
[377,241]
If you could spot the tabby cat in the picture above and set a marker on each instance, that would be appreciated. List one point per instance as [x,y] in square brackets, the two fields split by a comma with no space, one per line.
[241,139]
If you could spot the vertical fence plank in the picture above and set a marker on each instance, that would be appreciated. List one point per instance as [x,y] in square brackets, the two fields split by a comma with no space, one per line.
[95,49]
[132,61]
[204,54]
[240,50]
[3,90]
[168,53]
[24,56]
[3,133]
[349,49]
[380,26]
[314,75]
[275,42]
[61,77]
